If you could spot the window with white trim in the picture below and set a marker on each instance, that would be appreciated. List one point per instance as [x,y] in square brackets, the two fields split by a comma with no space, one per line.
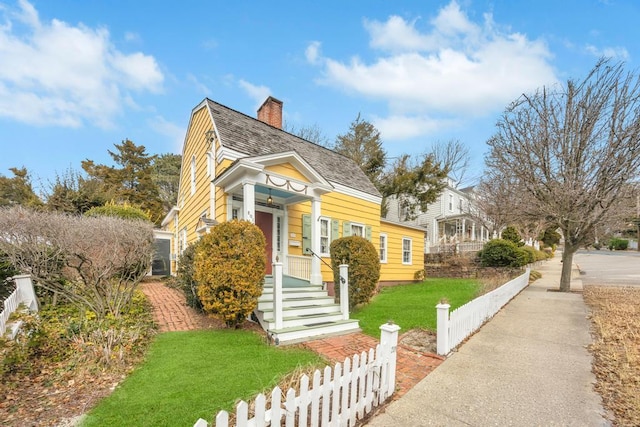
[193,175]
[357,230]
[406,251]
[325,236]
[182,240]
[451,202]
[383,248]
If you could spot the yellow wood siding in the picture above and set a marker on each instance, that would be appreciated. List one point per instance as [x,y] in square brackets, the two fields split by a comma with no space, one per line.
[221,196]
[336,206]
[287,169]
[394,269]
[193,205]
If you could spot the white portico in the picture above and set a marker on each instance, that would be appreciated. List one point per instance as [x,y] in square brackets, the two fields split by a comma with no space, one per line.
[262,189]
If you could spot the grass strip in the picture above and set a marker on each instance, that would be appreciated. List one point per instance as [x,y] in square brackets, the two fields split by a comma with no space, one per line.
[191,375]
[414,305]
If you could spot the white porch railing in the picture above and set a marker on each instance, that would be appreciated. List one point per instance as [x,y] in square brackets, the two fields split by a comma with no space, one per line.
[299,266]
[336,397]
[453,328]
[23,293]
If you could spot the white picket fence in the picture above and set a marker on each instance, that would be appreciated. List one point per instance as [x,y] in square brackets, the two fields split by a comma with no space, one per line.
[299,266]
[23,293]
[453,328]
[337,397]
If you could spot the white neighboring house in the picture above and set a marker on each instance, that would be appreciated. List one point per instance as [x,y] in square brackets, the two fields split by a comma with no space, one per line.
[452,219]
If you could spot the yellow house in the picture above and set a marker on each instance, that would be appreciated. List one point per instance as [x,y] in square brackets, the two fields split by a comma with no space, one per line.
[301,195]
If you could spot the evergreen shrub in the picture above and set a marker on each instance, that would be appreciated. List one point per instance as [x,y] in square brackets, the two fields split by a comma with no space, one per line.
[503,253]
[185,276]
[616,244]
[229,268]
[364,267]
[511,234]
[123,211]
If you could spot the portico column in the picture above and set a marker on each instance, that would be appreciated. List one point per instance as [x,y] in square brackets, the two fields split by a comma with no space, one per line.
[249,201]
[316,275]
[464,230]
[473,232]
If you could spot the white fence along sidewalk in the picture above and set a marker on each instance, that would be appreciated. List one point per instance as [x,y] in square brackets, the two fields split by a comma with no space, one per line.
[336,397]
[23,294]
[453,328]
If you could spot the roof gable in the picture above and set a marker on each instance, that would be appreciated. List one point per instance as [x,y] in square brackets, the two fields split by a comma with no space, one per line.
[244,134]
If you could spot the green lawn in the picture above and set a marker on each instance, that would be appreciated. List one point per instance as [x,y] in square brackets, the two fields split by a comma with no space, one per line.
[414,305]
[191,375]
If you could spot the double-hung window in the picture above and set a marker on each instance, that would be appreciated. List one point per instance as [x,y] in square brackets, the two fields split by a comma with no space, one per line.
[406,251]
[325,236]
[383,248]
[357,230]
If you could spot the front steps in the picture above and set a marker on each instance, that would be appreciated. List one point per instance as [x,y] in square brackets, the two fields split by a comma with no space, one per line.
[308,313]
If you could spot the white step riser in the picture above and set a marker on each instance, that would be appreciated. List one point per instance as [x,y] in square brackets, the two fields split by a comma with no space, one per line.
[302,321]
[294,294]
[268,304]
[301,311]
[286,337]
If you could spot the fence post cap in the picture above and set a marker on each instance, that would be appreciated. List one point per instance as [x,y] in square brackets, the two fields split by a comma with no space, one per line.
[443,306]
[390,327]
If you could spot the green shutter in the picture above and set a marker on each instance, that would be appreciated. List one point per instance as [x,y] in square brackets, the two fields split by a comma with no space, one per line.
[367,232]
[335,229]
[306,234]
[346,228]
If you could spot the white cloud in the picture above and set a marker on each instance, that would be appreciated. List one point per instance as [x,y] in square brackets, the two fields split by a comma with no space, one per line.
[201,87]
[171,130]
[257,93]
[132,37]
[397,127]
[454,67]
[312,53]
[616,52]
[54,73]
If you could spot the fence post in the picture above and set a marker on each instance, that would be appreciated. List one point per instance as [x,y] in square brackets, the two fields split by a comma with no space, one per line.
[442,320]
[344,291]
[277,294]
[25,291]
[389,344]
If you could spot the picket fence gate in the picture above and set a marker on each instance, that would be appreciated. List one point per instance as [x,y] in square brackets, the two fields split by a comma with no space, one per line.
[337,397]
[453,328]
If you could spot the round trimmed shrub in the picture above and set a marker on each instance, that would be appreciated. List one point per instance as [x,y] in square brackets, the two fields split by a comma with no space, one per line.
[229,269]
[364,267]
[503,253]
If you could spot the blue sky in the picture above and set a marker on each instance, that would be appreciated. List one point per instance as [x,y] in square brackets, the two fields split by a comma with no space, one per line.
[77,77]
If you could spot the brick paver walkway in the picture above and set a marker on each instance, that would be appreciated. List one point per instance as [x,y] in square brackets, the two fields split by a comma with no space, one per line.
[411,366]
[171,313]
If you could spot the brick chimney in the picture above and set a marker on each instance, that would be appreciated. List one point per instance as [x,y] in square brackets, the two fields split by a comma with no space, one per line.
[270,112]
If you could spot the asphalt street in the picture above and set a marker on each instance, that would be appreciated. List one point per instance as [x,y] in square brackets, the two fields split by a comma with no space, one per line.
[606,267]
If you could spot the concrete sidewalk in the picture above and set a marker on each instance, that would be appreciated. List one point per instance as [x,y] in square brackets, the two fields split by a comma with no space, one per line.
[528,366]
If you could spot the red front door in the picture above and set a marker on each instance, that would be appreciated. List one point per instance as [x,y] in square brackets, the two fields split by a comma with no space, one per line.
[264,221]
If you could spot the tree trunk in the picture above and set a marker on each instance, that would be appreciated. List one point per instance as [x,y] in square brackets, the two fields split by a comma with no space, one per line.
[567,262]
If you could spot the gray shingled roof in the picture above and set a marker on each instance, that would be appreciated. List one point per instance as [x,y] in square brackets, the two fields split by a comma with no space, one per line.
[247,135]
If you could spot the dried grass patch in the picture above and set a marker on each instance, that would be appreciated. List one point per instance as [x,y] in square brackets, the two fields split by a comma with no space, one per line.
[615,316]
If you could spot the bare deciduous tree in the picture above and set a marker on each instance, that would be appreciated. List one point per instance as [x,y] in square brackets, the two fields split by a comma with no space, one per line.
[96,262]
[572,151]
[453,157]
[312,133]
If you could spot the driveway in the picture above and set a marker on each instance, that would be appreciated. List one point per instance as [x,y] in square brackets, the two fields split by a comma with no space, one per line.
[606,267]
